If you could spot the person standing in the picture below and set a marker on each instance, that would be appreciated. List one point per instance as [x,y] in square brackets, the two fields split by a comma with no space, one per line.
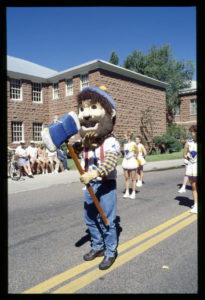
[130,164]
[190,153]
[141,160]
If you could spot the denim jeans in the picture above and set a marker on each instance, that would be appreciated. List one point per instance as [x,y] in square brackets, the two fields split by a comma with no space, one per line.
[102,237]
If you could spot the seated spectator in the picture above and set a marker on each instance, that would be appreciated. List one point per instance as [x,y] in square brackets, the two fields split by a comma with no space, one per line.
[53,161]
[43,158]
[62,157]
[34,162]
[23,159]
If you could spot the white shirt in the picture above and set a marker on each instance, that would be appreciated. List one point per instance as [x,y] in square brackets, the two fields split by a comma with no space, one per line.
[51,154]
[21,151]
[32,151]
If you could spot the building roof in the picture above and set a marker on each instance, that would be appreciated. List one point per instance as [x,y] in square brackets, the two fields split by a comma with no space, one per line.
[16,67]
[189,90]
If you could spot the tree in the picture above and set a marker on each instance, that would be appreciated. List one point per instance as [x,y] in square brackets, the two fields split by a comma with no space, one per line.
[160,64]
[114,59]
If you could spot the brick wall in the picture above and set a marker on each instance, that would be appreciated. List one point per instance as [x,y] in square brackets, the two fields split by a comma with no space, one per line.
[131,98]
[185,118]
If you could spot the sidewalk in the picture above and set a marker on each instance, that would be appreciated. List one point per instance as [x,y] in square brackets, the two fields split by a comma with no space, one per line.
[47,180]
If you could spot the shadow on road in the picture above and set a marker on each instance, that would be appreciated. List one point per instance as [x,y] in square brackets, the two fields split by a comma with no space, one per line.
[184,201]
[86,238]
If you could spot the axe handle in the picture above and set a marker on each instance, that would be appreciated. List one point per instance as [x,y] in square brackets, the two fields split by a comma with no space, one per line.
[97,204]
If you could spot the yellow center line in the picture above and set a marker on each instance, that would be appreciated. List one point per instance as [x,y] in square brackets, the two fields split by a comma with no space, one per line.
[86,279]
[60,278]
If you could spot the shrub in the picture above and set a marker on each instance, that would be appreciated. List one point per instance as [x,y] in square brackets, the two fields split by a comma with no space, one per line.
[178,132]
[167,143]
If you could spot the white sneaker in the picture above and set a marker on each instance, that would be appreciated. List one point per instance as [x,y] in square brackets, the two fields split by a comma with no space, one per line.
[194,210]
[126,195]
[55,172]
[139,183]
[132,196]
[182,190]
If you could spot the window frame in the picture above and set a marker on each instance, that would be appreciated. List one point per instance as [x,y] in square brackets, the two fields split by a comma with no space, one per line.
[12,80]
[17,141]
[69,90]
[85,83]
[38,132]
[54,91]
[193,107]
[40,86]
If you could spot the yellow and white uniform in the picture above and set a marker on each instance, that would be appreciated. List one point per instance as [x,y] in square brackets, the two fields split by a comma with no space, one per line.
[140,158]
[192,162]
[129,161]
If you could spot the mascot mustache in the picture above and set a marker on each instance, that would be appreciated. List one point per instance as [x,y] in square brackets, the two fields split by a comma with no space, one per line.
[101,126]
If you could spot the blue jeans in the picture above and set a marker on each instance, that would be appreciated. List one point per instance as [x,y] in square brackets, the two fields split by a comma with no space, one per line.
[102,237]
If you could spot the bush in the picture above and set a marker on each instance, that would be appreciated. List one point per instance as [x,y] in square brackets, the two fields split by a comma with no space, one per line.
[178,132]
[167,143]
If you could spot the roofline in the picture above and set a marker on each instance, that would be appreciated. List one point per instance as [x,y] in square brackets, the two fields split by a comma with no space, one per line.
[101,64]
[17,75]
[187,91]
[87,67]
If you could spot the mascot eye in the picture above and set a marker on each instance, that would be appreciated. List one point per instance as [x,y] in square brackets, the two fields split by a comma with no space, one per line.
[94,106]
[81,108]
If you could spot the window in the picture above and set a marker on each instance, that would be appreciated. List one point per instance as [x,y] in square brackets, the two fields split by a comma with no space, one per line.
[15,89]
[36,92]
[55,91]
[176,110]
[193,107]
[69,87]
[84,81]
[37,128]
[17,131]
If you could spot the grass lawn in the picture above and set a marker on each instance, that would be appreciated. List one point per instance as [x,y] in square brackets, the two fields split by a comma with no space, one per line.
[149,158]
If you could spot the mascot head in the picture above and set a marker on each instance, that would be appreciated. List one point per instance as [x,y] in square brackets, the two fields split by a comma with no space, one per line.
[97,111]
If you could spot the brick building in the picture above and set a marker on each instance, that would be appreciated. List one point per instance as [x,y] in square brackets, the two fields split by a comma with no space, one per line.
[186,112]
[37,94]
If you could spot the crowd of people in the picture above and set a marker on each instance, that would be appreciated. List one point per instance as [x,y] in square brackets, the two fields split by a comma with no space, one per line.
[134,160]
[35,159]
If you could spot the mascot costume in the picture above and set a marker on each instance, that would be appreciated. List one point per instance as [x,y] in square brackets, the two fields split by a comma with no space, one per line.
[99,152]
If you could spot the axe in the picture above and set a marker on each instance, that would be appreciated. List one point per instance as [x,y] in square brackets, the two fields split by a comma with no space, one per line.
[59,132]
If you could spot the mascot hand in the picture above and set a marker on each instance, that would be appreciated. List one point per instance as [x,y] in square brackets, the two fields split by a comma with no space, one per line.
[89,140]
[88,176]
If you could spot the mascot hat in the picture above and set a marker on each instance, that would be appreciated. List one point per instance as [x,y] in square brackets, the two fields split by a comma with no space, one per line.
[101,92]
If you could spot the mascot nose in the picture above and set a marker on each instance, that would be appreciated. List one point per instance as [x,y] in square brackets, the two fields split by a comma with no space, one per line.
[87,118]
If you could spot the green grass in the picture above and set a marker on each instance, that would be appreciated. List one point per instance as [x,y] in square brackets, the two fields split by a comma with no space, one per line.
[149,158]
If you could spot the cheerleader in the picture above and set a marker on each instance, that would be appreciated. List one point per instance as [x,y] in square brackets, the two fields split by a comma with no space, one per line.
[141,160]
[190,153]
[130,164]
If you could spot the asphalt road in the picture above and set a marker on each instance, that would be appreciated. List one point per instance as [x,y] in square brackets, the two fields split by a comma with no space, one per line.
[47,238]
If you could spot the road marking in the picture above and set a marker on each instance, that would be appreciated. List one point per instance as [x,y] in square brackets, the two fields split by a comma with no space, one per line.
[86,279]
[60,278]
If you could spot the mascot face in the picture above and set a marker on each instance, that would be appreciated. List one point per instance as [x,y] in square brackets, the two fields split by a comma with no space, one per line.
[94,118]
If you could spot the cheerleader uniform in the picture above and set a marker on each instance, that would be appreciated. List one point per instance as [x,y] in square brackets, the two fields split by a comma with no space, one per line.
[129,161]
[192,162]
[140,158]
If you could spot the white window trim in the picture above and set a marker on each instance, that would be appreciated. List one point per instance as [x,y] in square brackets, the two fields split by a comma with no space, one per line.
[81,87]
[193,114]
[66,87]
[33,129]
[18,143]
[55,98]
[13,99]
[41,101]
